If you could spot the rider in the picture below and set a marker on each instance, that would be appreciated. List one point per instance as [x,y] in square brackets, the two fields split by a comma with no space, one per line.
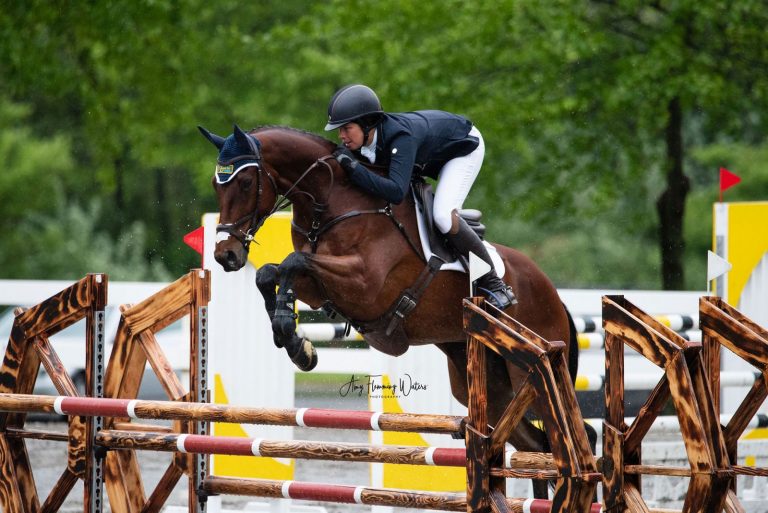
[430,143]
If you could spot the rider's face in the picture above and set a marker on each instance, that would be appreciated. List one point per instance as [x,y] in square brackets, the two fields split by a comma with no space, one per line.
[351,135]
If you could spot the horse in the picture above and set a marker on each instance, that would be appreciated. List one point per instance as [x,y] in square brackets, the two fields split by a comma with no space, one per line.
[357,253]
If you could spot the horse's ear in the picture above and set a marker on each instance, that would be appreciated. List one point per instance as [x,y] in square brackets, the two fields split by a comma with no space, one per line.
[245,140]
[215,139]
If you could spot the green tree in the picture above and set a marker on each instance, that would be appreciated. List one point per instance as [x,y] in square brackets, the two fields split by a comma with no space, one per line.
[127,83]
[682,64]
[68,243]
[588,107]
[32,166]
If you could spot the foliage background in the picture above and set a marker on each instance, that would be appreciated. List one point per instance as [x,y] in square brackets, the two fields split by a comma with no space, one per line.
[104,170]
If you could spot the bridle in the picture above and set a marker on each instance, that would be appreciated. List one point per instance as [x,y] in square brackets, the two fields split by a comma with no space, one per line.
[253,220]
[318,227]
[234,229]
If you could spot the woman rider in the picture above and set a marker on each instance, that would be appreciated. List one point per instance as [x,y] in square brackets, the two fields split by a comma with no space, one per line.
[431,143]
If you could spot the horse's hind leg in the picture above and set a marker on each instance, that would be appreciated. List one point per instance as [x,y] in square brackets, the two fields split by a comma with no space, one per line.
[573,369]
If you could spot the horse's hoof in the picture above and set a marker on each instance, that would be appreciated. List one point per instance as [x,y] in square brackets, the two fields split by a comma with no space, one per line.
[305,358]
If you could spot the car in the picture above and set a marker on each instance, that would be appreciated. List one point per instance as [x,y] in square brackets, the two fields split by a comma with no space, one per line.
[69,345]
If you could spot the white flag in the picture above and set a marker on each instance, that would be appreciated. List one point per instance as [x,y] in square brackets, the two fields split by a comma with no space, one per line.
[716,266]
[477,268]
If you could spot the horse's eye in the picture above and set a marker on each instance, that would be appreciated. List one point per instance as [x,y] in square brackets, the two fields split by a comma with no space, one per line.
[246,182]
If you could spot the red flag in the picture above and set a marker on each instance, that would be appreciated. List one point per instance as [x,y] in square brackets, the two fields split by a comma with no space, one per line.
[727,179]
[194,240]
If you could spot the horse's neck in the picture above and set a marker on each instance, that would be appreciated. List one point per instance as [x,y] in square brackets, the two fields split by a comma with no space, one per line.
[321,183]
[324,185]
[299,167]
[332,200]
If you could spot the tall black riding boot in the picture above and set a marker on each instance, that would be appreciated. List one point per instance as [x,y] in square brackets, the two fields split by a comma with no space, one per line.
[464,240]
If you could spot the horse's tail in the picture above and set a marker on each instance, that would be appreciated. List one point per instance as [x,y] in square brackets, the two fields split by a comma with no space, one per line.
[573,349]
[573,369]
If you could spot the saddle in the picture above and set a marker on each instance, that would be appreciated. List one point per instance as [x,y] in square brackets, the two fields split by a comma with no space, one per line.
[390,325]
[425,199]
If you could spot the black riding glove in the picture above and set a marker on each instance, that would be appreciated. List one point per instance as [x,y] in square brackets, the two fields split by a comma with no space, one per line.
[346,159]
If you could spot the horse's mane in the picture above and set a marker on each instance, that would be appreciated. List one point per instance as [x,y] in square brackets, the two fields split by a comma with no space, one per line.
[318,138]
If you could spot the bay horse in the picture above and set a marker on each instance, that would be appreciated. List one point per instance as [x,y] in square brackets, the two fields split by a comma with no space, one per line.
[357,253]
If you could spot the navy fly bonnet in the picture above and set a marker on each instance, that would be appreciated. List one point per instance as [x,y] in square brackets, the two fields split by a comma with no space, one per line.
[236,152]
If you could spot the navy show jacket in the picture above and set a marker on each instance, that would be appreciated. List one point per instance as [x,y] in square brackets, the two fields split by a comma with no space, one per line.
[419,142]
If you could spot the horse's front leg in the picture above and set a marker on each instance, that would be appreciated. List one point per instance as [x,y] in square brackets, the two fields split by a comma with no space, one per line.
[266,282]
[284,310]
[300,350]
[281,313]
[313,273]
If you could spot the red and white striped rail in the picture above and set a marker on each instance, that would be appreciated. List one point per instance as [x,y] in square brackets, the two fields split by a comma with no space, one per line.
[369,496]
[172,410]
[516,464]
[303,449]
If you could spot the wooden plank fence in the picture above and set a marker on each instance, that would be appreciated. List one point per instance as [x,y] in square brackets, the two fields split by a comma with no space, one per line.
[103,434]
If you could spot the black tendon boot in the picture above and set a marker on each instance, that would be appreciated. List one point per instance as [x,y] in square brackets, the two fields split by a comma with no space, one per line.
[464,240]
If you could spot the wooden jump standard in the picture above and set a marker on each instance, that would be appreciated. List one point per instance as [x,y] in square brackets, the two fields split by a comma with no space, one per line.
[28,348]
[108,421]
[135,345]
[692,382]
[684,383]
[723,325]
[547,388]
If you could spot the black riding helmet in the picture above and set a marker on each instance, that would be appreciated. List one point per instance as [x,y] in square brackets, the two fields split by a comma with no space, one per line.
[350,103]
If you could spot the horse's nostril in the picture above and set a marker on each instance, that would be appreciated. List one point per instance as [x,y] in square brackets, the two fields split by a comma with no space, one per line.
[230,259]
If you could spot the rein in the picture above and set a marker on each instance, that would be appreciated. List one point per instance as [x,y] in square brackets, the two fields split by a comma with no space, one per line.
[318,228]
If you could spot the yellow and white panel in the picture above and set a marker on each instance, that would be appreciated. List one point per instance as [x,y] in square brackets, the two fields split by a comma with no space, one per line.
[247,369]
[741,237]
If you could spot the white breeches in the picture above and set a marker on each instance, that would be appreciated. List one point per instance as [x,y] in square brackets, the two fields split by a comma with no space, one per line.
[454,182]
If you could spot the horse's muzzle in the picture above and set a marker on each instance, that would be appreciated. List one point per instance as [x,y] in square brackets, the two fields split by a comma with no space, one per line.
[230,259]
